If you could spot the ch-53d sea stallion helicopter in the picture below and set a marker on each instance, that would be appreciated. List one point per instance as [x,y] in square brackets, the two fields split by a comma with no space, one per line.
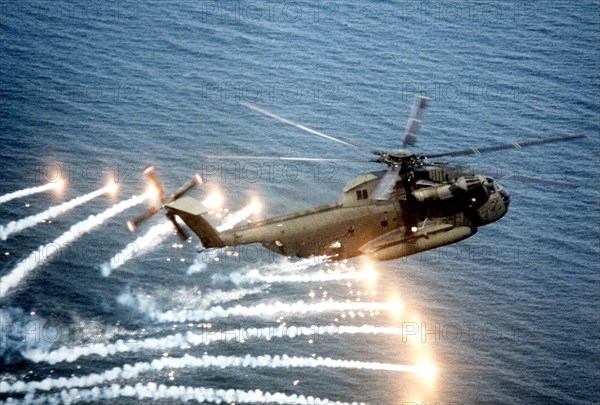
[413,206]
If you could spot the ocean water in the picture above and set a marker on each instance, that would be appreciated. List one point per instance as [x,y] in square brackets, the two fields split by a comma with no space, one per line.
[92,91]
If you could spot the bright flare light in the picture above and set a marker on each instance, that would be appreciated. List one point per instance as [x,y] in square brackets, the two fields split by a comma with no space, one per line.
[427,371]
[153,191]
[112,187]
[59,185]
[369,274]
[255,206]
[235,218]
[214,200]
[396,307]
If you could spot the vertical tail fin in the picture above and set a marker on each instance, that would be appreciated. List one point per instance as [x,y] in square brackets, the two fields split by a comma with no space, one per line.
[190,211]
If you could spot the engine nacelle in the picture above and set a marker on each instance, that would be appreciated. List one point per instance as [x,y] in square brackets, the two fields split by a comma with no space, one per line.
[446,192]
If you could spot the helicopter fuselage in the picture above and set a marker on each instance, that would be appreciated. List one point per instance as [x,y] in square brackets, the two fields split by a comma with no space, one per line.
[415,205]
[423,213]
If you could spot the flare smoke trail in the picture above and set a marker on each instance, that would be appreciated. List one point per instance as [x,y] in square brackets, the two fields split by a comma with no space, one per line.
[238,216]
[259,310]
[209,336]
[129,371]
[219,296]
[38,257]
[143,303]
[200,262]
[281,267]
[52,212]
[159,233]
[153,237]
[255,277]
[153,391]
[28,191]
[198,266]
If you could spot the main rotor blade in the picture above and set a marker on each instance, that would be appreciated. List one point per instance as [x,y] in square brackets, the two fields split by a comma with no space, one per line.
[534,180]
[302,127]
[507,176]
[386,185]
[415,122]
[516,145]
[283,158]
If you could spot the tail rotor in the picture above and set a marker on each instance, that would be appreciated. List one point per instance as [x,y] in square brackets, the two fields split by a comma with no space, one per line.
[149,172]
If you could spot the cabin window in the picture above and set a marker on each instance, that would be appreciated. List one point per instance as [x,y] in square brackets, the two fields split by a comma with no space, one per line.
[361,194]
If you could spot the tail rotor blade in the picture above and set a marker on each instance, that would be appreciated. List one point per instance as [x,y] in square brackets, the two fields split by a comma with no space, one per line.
[149,172]
[180,232]
[190,184]
[133,224]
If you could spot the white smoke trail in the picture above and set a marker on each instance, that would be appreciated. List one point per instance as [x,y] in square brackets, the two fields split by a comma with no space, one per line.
[52,212]
[200,262]
[254,277]
[278,270]
[143,302]
[285,265]
[41,255]
[239,216]
[129,371]
[220,296]
[153,237]
[29,191]
[198,266]
[260,310]
[208,336]
[153,392]
[159,233]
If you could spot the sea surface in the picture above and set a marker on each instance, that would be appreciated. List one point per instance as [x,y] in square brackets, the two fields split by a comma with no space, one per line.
[94,91]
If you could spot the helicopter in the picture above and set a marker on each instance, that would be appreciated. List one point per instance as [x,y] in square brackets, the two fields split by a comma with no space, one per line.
[414,205]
